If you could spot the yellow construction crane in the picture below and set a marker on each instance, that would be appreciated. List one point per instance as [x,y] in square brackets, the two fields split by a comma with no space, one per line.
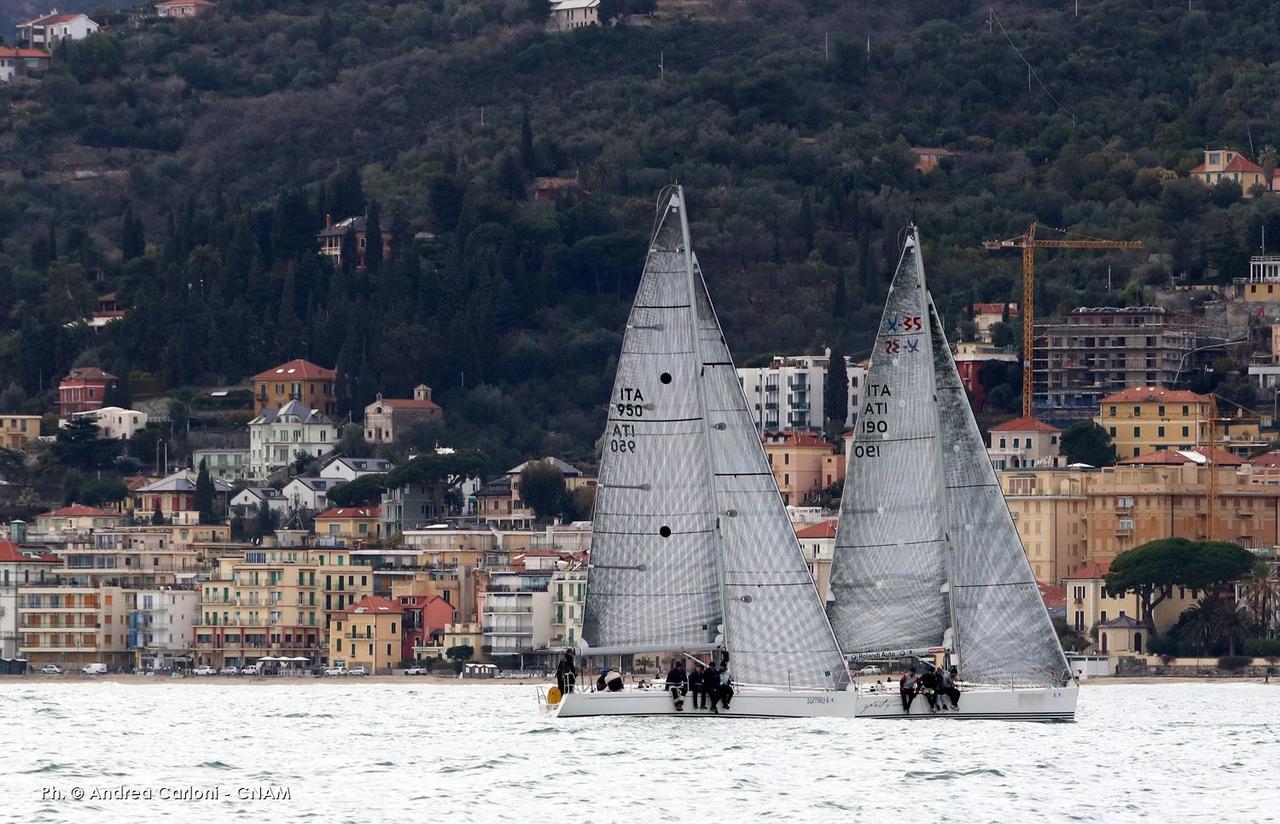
[1028,243]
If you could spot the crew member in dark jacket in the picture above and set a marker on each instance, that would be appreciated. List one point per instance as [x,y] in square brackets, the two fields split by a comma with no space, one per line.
[695,687]
[566,672]
[711,686]
[677,682]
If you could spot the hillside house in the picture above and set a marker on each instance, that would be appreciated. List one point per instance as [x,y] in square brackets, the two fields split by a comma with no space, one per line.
[183,8]
[330,239]
[1224,164]
[277,438]
[385,418]
[84,389]
[567,15]
[21,63]
[297,380]
[48,30]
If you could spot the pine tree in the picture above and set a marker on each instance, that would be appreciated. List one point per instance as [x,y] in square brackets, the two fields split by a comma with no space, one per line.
[204,494]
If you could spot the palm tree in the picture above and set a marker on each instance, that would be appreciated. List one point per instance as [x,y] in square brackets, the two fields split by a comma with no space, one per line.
[1231,623]
[1260,590]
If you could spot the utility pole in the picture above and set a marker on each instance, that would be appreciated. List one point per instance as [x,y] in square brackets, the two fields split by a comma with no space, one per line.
[826,47]
[662,65]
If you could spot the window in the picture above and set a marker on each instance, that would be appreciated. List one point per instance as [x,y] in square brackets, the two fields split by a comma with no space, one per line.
[1137,432]
[1186,431]
[1002,443]
[1102,617]
[1160,411]
[1137,411]
[1112,412]
[1159,431]
[1113,431]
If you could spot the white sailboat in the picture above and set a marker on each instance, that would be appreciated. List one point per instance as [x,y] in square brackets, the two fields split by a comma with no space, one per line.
[927,559]
[692,551]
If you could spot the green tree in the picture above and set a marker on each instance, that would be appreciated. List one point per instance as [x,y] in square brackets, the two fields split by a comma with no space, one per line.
[542,488]
[365,490]
[835,400]
[102,491]
[78,444]
[1088,443]
[1152,570]
[204,494]
[266,520]
[460,655]
[133,243]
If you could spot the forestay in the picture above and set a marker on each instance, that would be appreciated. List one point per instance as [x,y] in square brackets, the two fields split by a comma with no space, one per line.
[1002,631]
[889,570]
[653,581]
[776,630]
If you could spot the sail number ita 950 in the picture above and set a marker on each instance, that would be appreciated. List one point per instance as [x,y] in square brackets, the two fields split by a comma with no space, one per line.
[630,404]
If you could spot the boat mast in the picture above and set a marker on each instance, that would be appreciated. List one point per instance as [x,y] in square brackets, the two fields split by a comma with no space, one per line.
[926,302]
[702,402]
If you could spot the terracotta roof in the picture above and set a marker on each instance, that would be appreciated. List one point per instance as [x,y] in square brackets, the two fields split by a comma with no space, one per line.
[1162,457]
[792,437]
[77,511]
[50,19]
[409,403]
[822,529]
[1219,456]
[1087,573]
[375,604]
[296,369]
[20,53]
[84,373]
[10,553]
[995,309]
[1054,597]
[1154,393]
[350,512]
[1271,458]
[1024,425]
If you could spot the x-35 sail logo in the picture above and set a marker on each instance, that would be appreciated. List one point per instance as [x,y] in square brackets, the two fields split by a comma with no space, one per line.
[905,325]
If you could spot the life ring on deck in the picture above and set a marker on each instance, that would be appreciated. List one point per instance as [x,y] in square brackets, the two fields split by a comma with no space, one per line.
[554,696]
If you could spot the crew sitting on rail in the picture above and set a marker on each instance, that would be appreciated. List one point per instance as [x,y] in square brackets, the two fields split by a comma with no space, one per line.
[907,688]
[711,687]
[726,683]
[949,688]
[696,688]
[609,681]
[929,686]
[677,682]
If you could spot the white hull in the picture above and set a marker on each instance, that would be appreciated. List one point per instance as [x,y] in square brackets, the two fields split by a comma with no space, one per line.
[746,703]
[1020,704]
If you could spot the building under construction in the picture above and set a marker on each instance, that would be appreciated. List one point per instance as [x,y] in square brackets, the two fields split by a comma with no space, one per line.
[1095,351]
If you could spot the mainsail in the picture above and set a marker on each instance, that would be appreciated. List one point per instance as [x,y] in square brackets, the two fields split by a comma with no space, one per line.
[774,624]
[1002,632]
[888,575]
[654,580]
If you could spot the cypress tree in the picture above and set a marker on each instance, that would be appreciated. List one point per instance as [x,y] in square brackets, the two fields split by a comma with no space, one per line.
[204,494]
[526,140]
[835,400]
[372,239]
[806,223]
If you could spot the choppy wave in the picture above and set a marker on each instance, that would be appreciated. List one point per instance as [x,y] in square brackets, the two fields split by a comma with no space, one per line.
[379,752]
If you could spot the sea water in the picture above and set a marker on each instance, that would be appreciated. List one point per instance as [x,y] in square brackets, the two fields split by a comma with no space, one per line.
[336,751]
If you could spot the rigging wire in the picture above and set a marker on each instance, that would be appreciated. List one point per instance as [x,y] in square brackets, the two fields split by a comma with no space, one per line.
[1075,121]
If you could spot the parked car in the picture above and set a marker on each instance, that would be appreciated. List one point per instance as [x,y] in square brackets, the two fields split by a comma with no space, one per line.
[252,669]
[336,671]
[97,668]
[871,670]
[418,671]
[357,671]
[51,669]
[229,671]
[204,670]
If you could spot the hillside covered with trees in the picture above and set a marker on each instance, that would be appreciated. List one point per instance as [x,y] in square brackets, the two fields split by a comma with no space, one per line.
[186,166]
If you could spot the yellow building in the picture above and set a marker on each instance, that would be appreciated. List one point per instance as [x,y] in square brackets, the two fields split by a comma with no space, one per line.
[818,543]
[1142,421]
[1048,507]
[369,636]
[350,524]
[568,592]
[276,601]
[74,625]
[797,459]
[1113,623]
[16,431]
[1225,164]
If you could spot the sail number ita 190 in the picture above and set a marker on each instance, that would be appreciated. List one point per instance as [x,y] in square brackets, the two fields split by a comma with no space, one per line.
[630,404]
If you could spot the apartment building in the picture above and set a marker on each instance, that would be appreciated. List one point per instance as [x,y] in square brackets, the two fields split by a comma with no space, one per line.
[72,626]
[369,636]
[818,543]
[276,601]
[516,617]
[1049,508]
[19,567]
[1093,352]
[1151,419]
[162,626]
[790,392]
[800,465]
[1023,442]
[16,431]
[568,588]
